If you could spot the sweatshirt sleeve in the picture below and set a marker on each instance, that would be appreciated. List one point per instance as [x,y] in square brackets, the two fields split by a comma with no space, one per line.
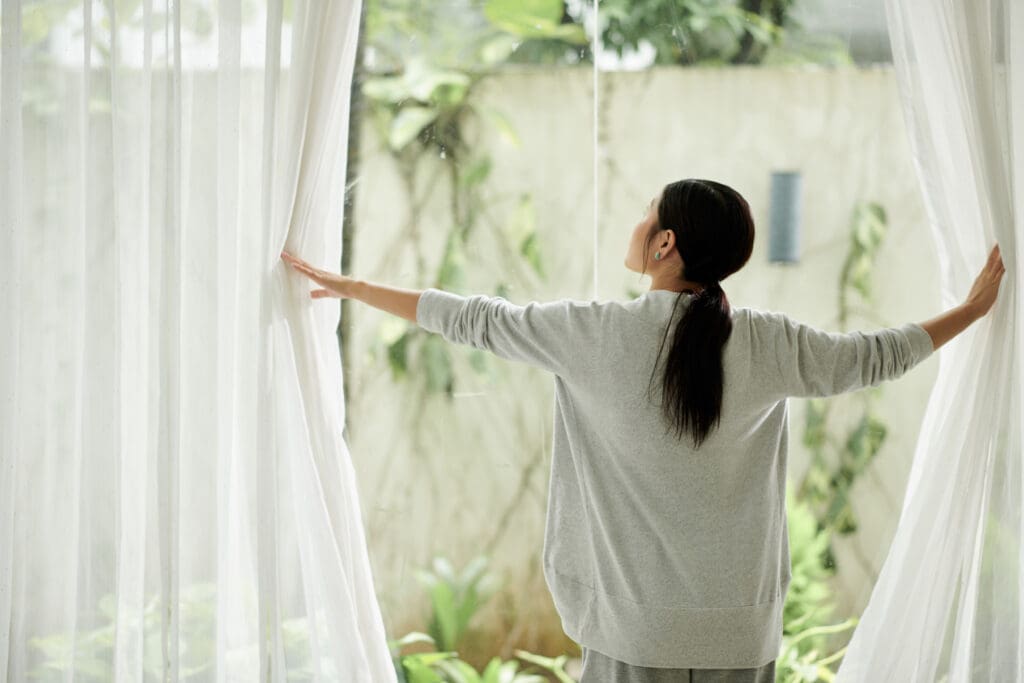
[814,362]
[539,334]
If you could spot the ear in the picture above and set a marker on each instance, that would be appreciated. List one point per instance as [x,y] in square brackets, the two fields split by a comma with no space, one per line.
[670,238]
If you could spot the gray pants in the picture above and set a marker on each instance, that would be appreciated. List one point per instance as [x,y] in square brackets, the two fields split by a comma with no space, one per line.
[600,668]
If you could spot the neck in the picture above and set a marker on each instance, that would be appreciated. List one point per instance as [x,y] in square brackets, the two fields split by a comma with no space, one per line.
[676,285]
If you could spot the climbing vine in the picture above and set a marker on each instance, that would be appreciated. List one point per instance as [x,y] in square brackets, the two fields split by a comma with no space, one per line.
[841,451]
[422,113]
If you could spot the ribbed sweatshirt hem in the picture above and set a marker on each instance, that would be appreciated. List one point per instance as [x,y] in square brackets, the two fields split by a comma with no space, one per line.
[667,636]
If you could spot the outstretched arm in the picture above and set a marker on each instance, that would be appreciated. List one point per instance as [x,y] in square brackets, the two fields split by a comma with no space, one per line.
[982,296]
[537,333]
[813,362]
[396,300]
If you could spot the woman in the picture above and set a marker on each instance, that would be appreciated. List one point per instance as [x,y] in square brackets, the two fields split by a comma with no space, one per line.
[668,558]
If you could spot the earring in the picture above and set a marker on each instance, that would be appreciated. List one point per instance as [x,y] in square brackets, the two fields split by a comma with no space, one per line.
[657,256]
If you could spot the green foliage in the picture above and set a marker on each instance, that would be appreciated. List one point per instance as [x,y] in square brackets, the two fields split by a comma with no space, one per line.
[693,31]
[444,667]
[837,460]
[828,483]
[868,229]
[806,601]
[716,32]
[802,657]
[807,611]
[93,648]
[455,597]
[421,111]
[496,671]
[466,35]
[555,665]
[534,19]
[798,663]
[522,231]
[839,456]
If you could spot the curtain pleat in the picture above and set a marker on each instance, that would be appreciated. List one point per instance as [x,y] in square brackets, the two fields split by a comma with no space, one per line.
[947,605]
[177,501]
[11,170]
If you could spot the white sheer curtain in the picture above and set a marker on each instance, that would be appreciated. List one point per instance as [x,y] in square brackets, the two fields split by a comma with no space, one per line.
[948,603]
[176,498]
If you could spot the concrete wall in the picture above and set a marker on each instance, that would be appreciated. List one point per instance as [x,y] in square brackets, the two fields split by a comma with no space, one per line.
[458,477]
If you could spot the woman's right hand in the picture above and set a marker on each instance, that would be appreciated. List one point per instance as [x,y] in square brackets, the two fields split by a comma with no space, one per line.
[983,293]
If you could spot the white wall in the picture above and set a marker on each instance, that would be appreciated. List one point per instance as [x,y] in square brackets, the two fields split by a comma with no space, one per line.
[438,477]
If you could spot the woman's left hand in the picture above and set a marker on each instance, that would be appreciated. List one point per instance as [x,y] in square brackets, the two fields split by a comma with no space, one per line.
[333,284]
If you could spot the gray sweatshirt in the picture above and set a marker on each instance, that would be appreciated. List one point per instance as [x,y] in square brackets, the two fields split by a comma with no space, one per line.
[657,554]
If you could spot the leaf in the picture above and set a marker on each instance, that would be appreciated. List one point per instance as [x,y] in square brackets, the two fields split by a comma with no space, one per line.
[464,611]
[523,222]
[408,124]
[410,638]
[426,83]
[473,570]
[869,226]
[860,274]
[476,173]
[699,23]
[815,436]
[419,671]
[554,665]
[530,249]
[397,356]
[445,615]
[444,569]
[459,671]
[393,89]
[498,49]
[569,33]
[501,123]
[522,231]
[56,648]
[507,672]
[437,364]
[452,273]
[533,19]
[38,19]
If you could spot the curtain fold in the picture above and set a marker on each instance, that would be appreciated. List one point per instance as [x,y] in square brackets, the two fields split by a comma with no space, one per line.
[177,500]
[947,605]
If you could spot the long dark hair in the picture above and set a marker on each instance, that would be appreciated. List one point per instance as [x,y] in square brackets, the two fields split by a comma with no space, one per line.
[715,236]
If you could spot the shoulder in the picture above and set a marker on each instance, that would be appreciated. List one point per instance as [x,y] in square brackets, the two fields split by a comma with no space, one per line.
[760,318]
[587,307]
[761,326]
[596,314]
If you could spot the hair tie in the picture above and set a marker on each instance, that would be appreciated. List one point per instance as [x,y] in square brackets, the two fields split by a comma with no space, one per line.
[713,285]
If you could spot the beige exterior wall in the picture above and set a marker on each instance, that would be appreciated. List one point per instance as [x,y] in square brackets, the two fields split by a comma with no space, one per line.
[459,477]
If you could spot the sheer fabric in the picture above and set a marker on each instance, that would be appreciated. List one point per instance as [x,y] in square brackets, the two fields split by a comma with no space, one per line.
[947,605]
[176,497]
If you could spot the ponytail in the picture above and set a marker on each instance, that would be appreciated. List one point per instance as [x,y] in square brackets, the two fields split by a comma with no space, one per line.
[693,380]
[714,233]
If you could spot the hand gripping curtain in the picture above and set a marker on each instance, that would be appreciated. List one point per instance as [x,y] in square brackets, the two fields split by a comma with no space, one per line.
[948,603]
[177,501]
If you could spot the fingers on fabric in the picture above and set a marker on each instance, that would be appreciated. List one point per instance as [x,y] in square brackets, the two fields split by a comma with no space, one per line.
[315,274]
[996,260]
[308,270]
